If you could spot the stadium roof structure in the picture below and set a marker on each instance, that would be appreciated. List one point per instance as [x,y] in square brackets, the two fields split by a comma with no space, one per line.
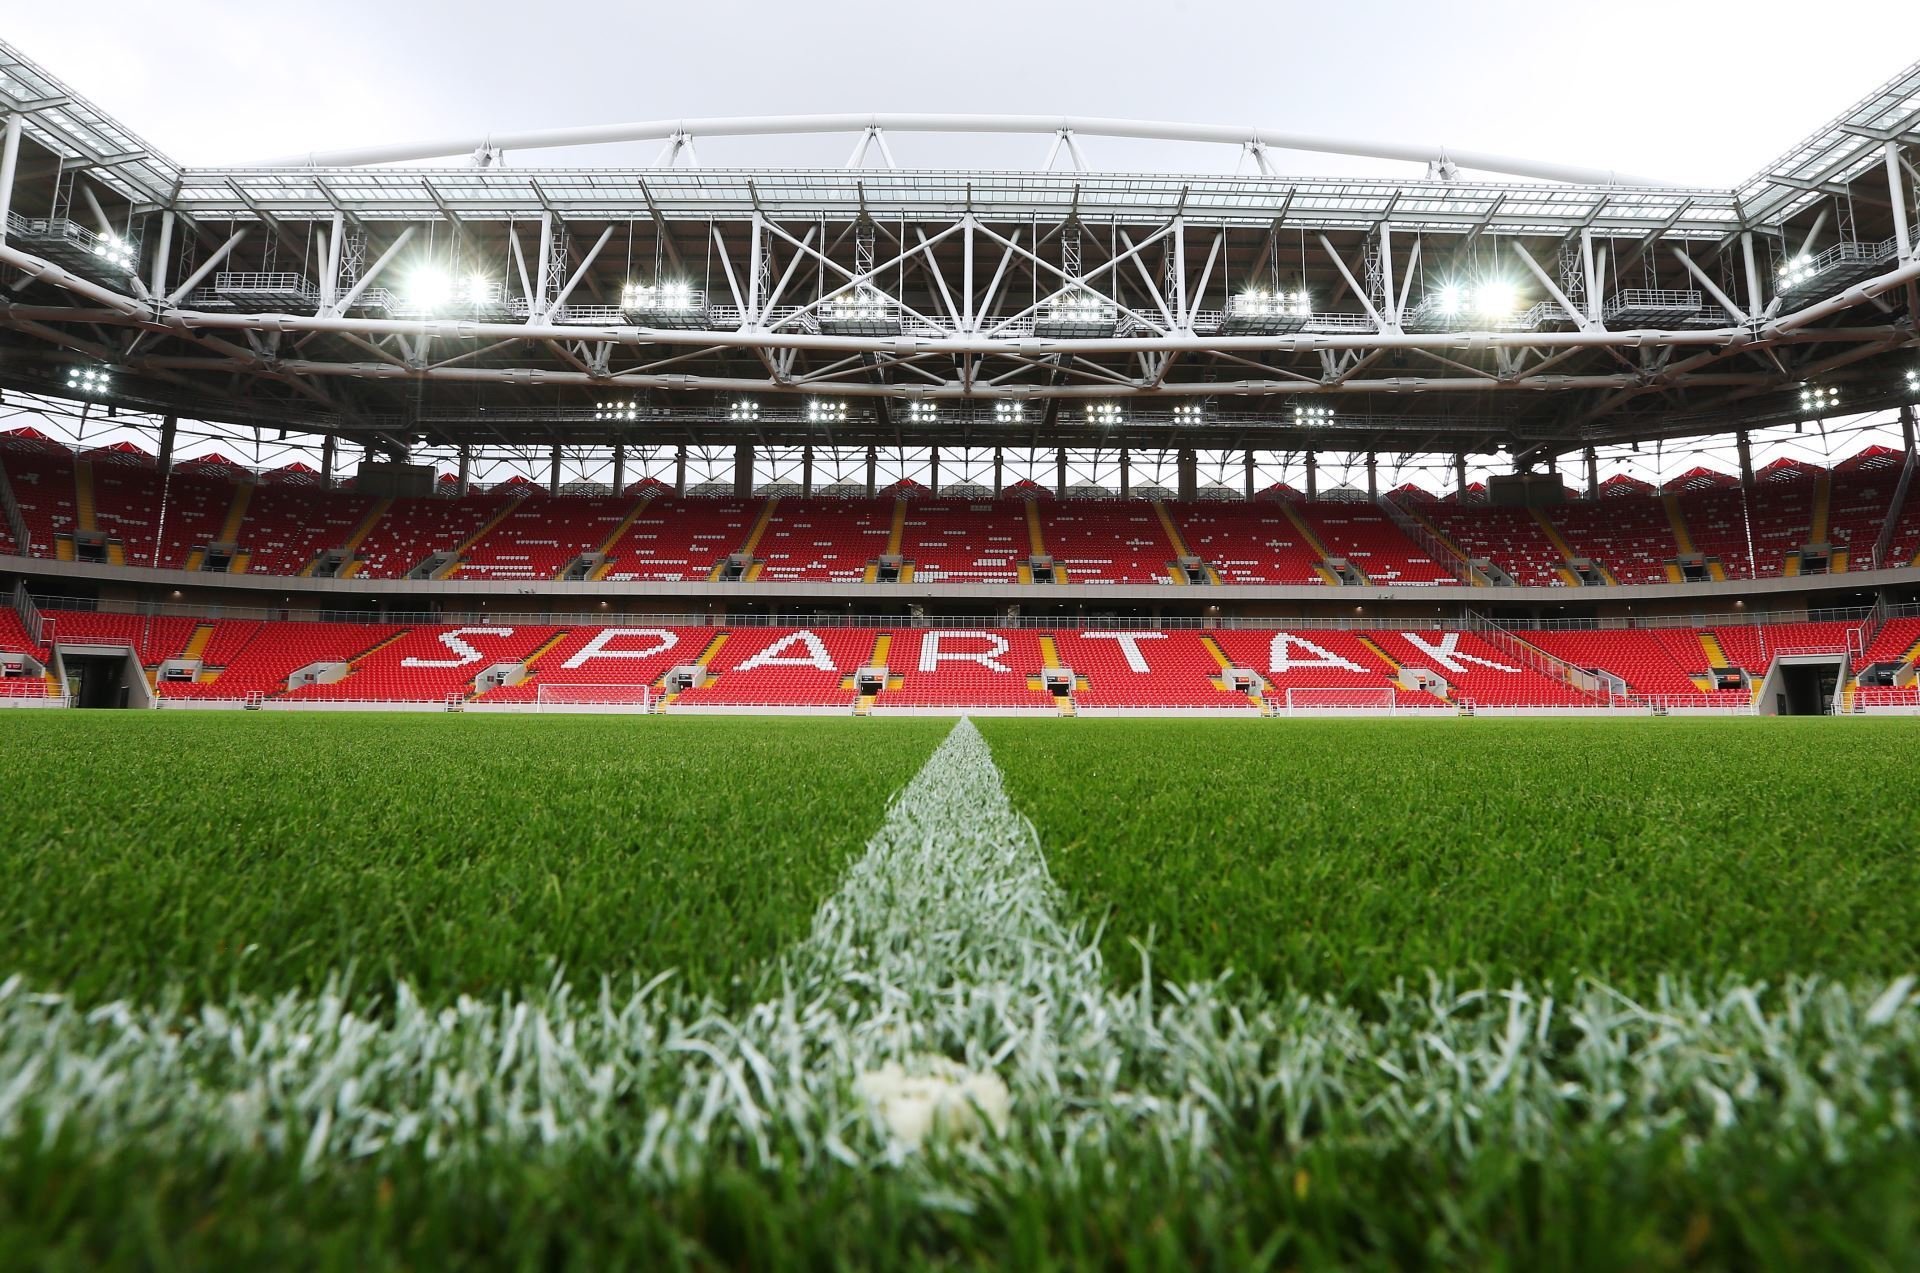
[1540,309]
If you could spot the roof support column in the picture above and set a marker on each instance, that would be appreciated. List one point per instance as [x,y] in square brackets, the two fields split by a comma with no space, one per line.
[1187,465]
[330,272]
[1906,428]
[933,469]
[162,255]
[1746,459]
[1593,474]
[1373,476]
[1249,475]
[1000,468]
[553,470]
[619,467]
[9,163]
[873,472]
[1060,472]
[466,471]
[1313,476]
[1126,473]
[327,449]
[169,426]
[1460,476]
[1896,190]
[806,470]
[680,469]
[1756,298]
[743,471]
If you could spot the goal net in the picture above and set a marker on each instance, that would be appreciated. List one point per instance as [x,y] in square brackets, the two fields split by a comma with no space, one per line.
[613,696]
[1339,699]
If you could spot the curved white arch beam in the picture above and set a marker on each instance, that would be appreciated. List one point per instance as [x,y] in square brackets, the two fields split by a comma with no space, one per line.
[791,125]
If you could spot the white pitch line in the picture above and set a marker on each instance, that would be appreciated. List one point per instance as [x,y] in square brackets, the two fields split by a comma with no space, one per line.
[942,948]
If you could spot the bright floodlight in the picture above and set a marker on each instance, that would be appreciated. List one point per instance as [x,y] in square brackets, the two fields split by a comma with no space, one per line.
[1496,298]
[113,250]
[617,411]
[1188,413]
[1795,271]
[1104,414]
[744,410]
[1258,302]
[91,381]
[1312,413]
[923,412]
[1913,381]
[1453,300]
[1819,400]
[667,296]
[431,288]
[1009,412]
[825,411]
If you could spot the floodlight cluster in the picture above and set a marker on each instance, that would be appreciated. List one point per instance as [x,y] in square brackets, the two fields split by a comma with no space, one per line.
[1009,412]
[1490,298]
[667,296]
[826,411]
[1312,413]
[1913,381]
[617,411]
[1105,415]
[744,411]
[1258,302]
[114,250]
[1079,305]
[93,382]
[921,411]
[435,287]
[1795,271]
[1819,400]
[1188,413]
[861,304]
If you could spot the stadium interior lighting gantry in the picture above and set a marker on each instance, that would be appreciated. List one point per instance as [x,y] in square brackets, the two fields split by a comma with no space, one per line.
[826,411]
[1105,415]
[1603,309]
[922,411]
[1312,413]
[1188,413]
[743,411]
[617,411]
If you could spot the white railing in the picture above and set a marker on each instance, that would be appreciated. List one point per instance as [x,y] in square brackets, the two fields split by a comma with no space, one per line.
[1532,656]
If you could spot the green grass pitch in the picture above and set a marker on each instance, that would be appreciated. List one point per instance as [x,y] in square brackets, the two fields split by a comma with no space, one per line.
[1471,993]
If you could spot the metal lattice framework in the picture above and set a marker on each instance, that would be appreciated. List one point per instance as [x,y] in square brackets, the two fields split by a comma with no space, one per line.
[1549,310]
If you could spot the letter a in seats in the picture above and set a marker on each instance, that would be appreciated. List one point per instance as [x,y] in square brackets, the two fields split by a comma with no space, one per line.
[774,655]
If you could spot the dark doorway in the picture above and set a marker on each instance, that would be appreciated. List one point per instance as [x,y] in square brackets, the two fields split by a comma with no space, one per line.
[98,680]
[1807,689]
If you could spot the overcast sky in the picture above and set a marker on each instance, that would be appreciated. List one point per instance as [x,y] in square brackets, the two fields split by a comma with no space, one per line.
[1684,91]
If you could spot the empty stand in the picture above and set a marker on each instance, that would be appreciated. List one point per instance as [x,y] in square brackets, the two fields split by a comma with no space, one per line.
[1629,536]
[787,667]
[823,538]
[1649,660]
[1106,541]
[1170,669]
[414,529]
[1247,543]
[41,476]
[1367,538]
[541,534]
[1511,538]
[1477,671]
[677,537]
[973,667]
[258,657]
[430,663]
[289,524]
[964,541]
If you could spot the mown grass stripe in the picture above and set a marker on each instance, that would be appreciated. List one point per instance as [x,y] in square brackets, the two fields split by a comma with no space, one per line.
[944,941]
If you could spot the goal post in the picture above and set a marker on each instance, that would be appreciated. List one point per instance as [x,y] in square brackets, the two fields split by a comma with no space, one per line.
[1304,700]
[611,696]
